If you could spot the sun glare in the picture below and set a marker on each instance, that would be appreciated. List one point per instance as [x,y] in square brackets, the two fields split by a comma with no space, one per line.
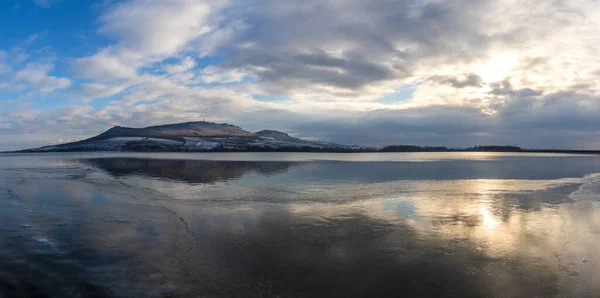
[488,220]
[497,68]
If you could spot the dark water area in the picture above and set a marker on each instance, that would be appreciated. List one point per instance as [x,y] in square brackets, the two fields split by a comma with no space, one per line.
[300,225]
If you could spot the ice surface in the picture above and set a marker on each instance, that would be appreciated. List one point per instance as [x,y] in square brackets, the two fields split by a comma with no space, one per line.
[152,225]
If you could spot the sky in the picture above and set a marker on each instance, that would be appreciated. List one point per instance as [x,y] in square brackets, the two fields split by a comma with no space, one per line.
[372,72]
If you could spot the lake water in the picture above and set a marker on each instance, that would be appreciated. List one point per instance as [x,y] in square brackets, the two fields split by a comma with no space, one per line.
[299,225]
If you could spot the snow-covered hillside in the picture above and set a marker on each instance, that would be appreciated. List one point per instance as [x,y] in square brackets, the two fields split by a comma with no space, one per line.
[191,136]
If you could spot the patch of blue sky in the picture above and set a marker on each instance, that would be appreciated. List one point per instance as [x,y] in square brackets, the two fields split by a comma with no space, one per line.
[100,102]
[55,34]
[49,104]
[10,95]
[205,61]
[159,68]
[11,101]
[270,98]
[68,27]
[244,80]
[62,69]
[52,102]
[146,103]
[401,95]
[40,101]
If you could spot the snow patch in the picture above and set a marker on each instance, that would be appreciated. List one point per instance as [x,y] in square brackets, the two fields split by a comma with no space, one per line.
[200,143]
[164,141]
[123,139]
[589,190]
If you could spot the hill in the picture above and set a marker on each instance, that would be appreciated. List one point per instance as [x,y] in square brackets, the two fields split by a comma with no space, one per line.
[192,136]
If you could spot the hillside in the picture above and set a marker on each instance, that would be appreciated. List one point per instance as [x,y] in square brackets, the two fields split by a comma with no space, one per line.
[276,135]
[176,132]
[190,136]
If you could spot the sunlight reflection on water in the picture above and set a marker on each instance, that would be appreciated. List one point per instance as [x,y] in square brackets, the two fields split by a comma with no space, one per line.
[507,226]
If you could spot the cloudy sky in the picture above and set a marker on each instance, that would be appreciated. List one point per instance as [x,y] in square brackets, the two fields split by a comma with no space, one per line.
[372,72]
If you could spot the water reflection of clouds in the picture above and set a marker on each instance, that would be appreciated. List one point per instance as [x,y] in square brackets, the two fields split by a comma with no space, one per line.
[477,237]
[485,212]
[402,208]
[488,215]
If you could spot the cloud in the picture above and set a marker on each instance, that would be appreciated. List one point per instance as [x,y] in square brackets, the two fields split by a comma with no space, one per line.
[106,66]
[46,3]
[184,65]
[32,38]
[95,90]
[505,71]
[168,25]
[551,121]
[331,48]
[505,88]
[355,49]
[4,67]
[212,74]
[35,76]
[471,80]
[169,28]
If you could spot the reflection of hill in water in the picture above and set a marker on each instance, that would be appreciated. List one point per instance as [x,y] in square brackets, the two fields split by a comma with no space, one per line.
[191,171]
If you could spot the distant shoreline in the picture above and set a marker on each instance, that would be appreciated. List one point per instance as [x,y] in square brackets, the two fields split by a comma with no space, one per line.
[316,150]
[202,136]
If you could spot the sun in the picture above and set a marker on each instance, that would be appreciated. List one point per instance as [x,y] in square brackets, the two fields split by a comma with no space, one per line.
[496,68]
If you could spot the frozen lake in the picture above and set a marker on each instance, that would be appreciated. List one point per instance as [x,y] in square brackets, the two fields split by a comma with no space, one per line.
[299,225]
